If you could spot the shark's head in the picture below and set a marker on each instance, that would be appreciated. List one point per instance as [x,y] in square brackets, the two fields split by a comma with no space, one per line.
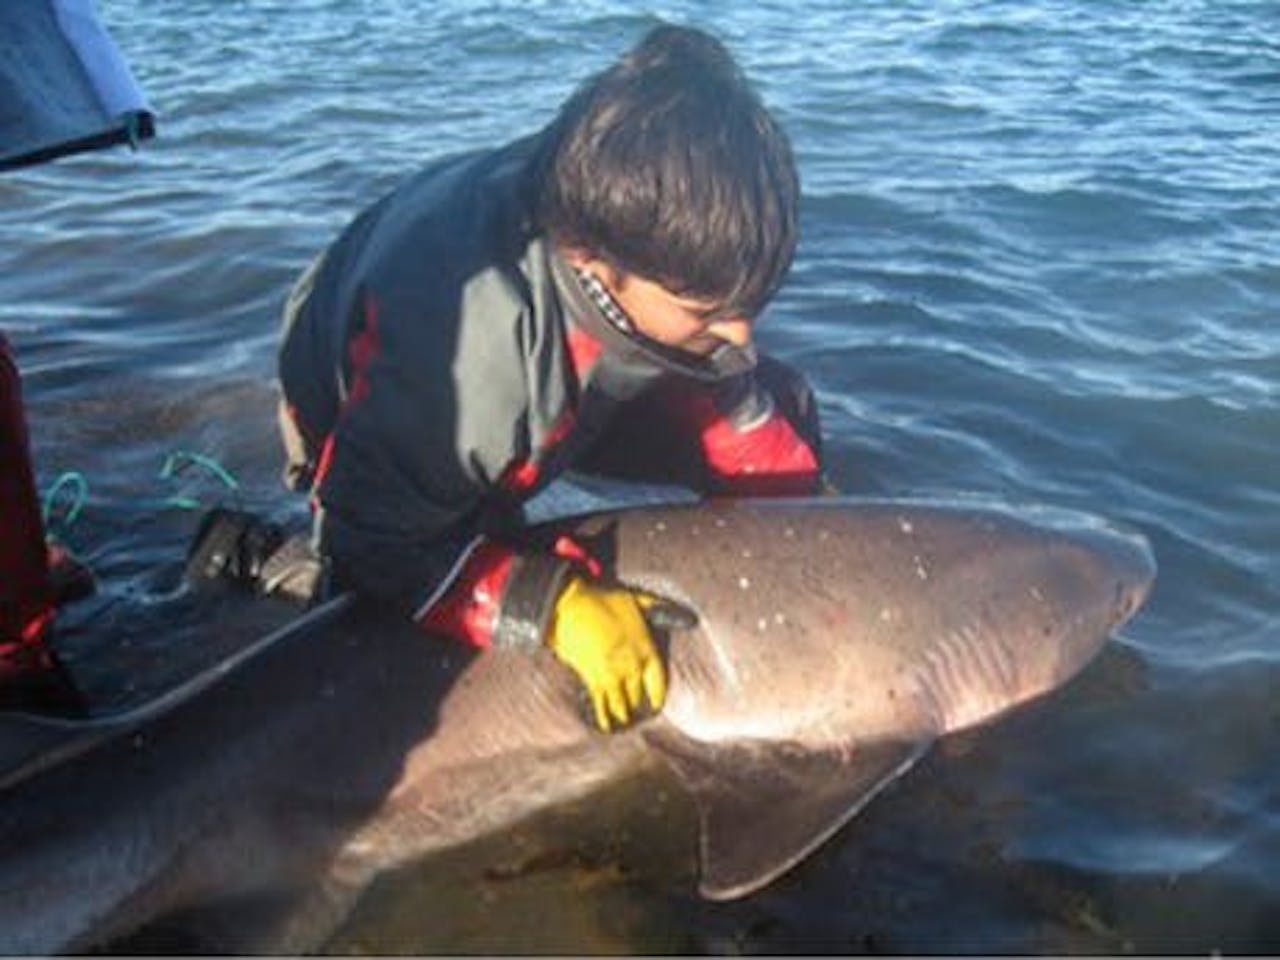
[1020,605]
[816,615]
[837,639]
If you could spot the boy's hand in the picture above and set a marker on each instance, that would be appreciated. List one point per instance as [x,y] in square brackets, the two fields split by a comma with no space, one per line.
[602,634]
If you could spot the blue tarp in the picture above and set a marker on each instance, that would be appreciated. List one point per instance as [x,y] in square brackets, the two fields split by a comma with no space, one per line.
[64,86]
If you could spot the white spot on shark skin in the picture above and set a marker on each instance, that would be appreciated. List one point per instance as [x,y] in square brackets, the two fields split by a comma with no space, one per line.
[921,571]
[1035,592]
[746,554]
[744,583]
[660,526]
[779,618]
[762,624]
[905,526]
[888,614]
[824,535]
[720,522]
[789,533]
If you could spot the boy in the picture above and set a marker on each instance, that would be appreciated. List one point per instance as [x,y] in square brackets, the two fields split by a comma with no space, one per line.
[582,297]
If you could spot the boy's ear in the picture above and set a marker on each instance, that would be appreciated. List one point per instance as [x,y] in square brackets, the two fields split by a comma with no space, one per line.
[577,257]
[581,259]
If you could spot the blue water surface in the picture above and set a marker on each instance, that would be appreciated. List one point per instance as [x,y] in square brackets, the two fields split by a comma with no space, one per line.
[1039,262]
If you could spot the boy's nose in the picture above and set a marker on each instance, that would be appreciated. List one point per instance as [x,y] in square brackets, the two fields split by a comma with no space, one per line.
[734,330]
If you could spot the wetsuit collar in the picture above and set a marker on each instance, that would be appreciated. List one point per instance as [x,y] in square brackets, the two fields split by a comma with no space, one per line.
[633,347]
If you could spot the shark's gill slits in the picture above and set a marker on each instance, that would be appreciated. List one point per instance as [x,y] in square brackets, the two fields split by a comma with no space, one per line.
[970,673]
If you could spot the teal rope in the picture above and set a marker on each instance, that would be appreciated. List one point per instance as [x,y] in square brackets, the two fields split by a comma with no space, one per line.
[180,460]
[73,489]
[71,478]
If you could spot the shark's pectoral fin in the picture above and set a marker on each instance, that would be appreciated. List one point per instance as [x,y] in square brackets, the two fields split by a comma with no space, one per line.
[764,806]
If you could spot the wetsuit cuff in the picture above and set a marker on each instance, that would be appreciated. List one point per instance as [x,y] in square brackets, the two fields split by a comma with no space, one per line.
[529,600]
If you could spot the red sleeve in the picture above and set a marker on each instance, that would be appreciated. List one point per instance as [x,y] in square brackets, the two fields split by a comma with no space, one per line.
[501,598]
[469,607]
[26,606]
[750,447]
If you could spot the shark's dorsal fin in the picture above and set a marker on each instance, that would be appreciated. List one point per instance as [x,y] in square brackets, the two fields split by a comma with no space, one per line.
[764,806]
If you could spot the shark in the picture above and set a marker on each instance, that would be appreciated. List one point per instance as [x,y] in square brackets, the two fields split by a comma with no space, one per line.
[832,641]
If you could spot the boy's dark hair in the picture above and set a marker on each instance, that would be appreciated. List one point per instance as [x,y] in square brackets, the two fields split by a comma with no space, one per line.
[668,166]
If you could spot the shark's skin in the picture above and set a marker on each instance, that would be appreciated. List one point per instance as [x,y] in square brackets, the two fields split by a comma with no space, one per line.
[836,640]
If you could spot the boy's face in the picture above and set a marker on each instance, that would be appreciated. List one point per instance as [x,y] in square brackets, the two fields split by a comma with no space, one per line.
[694,326]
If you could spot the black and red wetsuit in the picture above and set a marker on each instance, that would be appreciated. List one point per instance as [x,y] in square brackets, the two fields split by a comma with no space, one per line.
[441,363]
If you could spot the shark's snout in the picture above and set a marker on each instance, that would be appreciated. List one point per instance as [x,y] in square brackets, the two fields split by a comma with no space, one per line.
[1027,611]
[1126,557]
[835,641]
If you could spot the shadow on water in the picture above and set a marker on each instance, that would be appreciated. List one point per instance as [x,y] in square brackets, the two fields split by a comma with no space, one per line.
[566,881]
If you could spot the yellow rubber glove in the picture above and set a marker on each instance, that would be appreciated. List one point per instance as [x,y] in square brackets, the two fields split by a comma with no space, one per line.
[601,634]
